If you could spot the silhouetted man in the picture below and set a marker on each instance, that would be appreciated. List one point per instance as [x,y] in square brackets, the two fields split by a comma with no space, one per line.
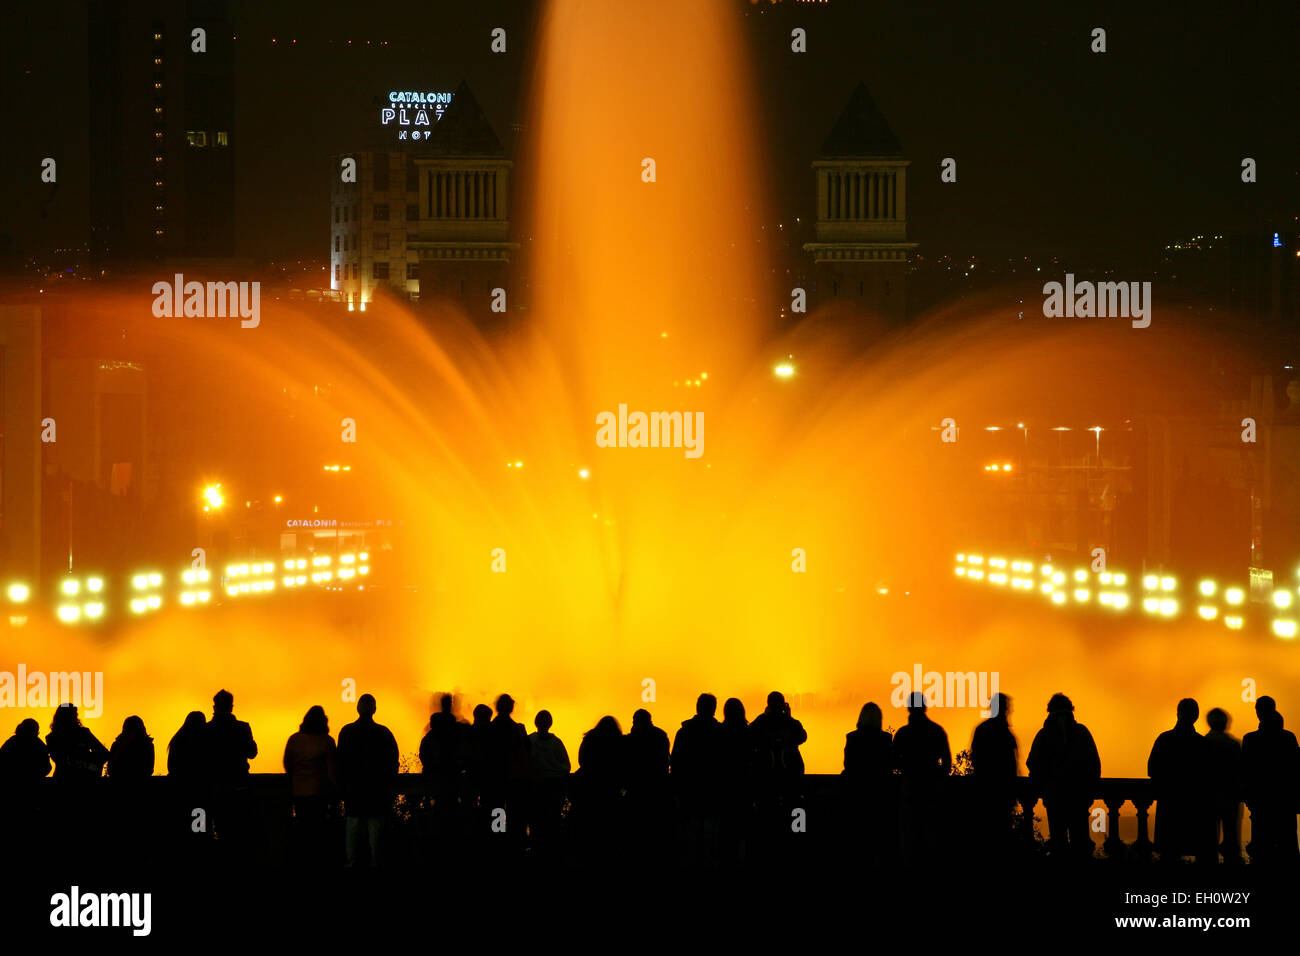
[995,767]
[1223,766]
[647,757]
[229,745]
[367,766]
[735,773]
[1066,769]
[441,752]
[778,772]
[1177,766]
[696,761]
[24,764]
[551,767]
[922,755]
[508,764]
[1270,764]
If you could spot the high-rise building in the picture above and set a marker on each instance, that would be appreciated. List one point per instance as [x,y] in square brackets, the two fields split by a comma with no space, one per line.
[372,221]
[162,166]
[860,253]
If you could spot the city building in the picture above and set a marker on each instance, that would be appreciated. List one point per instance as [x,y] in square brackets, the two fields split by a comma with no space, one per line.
[162,168]
[428,219]
[860,253]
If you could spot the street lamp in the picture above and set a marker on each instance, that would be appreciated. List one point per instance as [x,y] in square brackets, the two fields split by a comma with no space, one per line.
[213,498]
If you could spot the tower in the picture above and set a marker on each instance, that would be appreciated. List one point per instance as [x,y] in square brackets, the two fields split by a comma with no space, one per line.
[861,251]
[464,214]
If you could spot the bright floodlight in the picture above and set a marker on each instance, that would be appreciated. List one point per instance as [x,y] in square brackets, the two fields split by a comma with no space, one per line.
[213,497]
[1234,595]
[1166,584]
[783,370]
[94,610]
[18,593]
[95,584]
[71,586]
[584,474]
[69,613]
[1234,622]
[1282,598]
[1284,628]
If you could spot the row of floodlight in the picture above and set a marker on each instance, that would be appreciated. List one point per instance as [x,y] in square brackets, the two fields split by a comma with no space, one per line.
[1159,598]
[82,598]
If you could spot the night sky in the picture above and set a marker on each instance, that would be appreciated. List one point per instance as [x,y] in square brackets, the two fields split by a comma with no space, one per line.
[1098,158]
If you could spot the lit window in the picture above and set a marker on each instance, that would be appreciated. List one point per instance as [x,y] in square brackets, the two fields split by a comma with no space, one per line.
[157,37]
[158,210]
[196,137]
[158,183]
[381,211]
[157,61]
[158,233]
[157,85]
[157,111]
[158,135]
[412,270]
[223,138]
[337,270]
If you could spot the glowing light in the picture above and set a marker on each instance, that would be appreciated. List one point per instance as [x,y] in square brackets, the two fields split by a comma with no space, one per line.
[1207,613]
[1151,605]
[1080,575]
[94,610]
[1206,588]
[1167,584]
[213,497]
[1168,607]
[1234,622]
[1234,595]
[998,578]
[94,585]
[68,613]
[1120,602]
[960,572]
[1058,577]
[1058,597]
[1150,582]
[1119,580]
[584,474]
[187,598]
[18,593]
[1104,577]
[1081,594]
[1282,599]
[1284,628]
[71,586]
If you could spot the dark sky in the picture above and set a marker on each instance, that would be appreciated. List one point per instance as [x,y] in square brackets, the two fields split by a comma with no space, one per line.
[1096,157]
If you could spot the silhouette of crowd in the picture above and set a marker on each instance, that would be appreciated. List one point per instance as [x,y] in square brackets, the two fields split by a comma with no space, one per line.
[721,791]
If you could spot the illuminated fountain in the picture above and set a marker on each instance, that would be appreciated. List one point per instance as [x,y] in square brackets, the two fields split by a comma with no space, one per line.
[592,580]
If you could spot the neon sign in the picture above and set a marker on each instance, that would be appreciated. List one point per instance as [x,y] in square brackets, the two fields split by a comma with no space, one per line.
[413,109]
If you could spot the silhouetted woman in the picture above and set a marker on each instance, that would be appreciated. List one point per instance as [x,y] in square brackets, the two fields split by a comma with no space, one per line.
[869,784]
[78,755]
[599,783]
[310,763]
[131,757]
[736,778]
[187,773]
[24,765]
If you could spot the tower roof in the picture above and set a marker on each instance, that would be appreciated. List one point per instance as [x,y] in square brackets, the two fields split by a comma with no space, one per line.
[861,130]
[464,129]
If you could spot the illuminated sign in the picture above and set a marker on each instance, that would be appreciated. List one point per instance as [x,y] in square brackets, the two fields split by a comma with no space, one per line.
[412,109]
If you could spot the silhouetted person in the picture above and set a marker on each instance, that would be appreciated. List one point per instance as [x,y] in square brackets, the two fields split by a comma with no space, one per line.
[1223,768]
[131,757]
[24,765]
[1177,767]
[228,747]
[79,760]
[696,776]
[870,787]
[735,782]
[507,765]
[187,751]
[442,752]
[367,769]
[1066,769]
[189,782]
[995,767]
[1270,765]
[478,756]
[24,758]
[550,763]
[310,761]
[599,786]
[647,759]
[923,757]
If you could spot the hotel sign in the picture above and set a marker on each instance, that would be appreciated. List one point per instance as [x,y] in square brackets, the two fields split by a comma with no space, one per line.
[413,114]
